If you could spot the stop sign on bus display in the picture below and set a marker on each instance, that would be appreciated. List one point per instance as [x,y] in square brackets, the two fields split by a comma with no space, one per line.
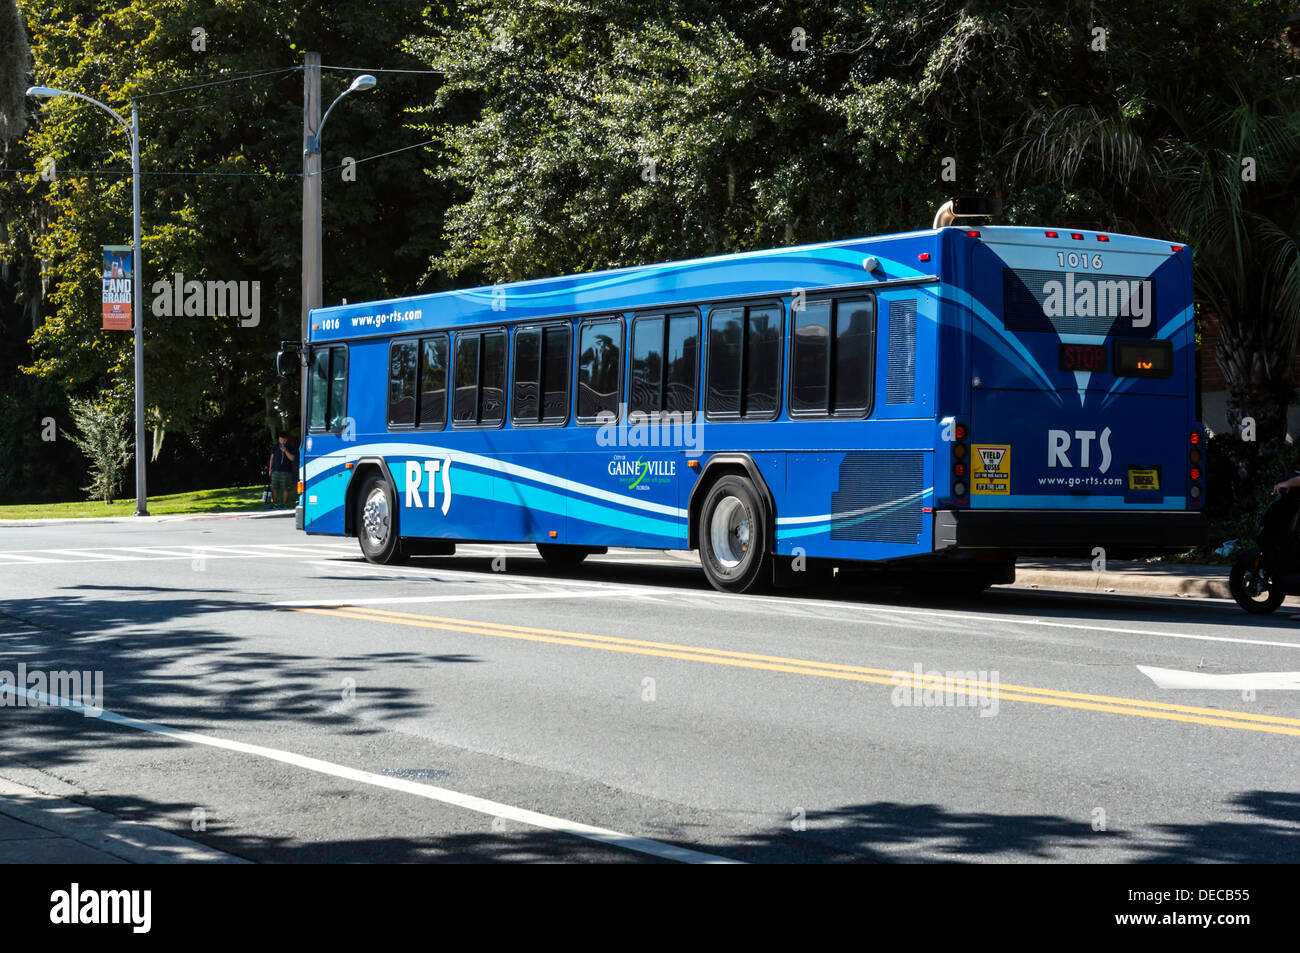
[1083,357]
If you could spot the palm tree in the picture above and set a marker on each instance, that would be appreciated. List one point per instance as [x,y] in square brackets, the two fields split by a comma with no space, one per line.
[1219,171]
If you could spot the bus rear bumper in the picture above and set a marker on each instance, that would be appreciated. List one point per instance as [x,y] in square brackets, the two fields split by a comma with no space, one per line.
[1069,532]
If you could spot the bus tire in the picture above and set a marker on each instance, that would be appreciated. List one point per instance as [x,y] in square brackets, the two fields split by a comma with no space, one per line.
[560,557]
[376,521]
[733,536]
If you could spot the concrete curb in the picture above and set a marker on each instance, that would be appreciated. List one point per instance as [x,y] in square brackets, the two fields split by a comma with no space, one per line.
[1126,582]
[110,838]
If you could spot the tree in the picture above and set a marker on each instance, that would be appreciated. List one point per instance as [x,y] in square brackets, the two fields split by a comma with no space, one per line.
[14,62]
[221,199]
[102,436]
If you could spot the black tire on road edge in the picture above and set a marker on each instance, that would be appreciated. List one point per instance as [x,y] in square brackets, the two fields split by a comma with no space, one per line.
[388,551]
[1237,586]
[751,569]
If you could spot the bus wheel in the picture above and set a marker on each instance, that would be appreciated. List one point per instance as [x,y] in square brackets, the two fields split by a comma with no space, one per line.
[561,558]
[733,536]
[377,521]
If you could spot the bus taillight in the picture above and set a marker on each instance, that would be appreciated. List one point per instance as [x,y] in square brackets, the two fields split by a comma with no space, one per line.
[960,486]
[1195,492]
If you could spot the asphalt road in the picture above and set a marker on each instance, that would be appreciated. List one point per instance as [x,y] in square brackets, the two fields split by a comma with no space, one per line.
[274,696]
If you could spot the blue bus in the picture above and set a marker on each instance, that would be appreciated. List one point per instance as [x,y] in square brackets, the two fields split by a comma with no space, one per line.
[939,401]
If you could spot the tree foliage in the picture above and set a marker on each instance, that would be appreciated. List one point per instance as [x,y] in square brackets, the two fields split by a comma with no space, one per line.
[101,435]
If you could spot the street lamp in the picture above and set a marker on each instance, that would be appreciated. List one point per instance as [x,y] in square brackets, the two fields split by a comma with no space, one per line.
[133,130]
[312,241]
[363,83]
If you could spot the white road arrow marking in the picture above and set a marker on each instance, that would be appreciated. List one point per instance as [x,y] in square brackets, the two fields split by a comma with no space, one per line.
[1259,681]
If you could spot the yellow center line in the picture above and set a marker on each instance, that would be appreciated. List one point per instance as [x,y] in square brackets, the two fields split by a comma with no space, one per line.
[1246,721]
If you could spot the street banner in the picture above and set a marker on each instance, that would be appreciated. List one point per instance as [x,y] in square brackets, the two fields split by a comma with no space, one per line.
[117,288]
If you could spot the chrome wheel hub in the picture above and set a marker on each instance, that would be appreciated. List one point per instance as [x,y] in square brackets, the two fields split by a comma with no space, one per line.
[374,517]
[730,532]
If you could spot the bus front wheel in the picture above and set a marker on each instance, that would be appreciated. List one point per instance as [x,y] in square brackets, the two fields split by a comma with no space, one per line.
[376,522]
[733,536]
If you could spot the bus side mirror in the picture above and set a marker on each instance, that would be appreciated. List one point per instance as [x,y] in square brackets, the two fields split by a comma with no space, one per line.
[286,362]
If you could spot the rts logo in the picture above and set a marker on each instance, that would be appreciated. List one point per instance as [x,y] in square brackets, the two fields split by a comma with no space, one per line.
[1058,448]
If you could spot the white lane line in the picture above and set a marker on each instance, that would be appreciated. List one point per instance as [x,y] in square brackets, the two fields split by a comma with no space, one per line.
[981,621]
[468,597]
[208,552]
[975,623]
[434,574]
[175,552]
[600,835]
[93,554]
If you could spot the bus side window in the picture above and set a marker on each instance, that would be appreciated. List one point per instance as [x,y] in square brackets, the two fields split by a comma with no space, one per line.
[665,363]
[762,362]
[492,380]
[401,384]
[527,366]
[810,363]
[855,355]
[465,403]
[480,378]
[647,365]
[744,376]
[555,374]
[433,382]
[320,392]
[683,363]
[832,368]
[600,369]
[726,336]
[338,387]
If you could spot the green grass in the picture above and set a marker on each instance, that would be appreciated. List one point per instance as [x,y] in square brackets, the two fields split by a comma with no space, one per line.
[229,500]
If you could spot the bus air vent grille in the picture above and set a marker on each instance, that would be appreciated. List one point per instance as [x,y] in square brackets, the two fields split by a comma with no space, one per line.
[900,385]
[880,498]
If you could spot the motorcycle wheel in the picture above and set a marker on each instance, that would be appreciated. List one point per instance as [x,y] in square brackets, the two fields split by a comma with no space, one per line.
[1251,587]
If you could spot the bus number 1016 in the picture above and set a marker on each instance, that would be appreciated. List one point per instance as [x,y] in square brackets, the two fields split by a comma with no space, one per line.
[1075,260]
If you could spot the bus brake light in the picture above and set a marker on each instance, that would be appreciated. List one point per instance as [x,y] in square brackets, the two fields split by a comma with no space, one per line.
[1077,236]
[1103,238]
[1052,234]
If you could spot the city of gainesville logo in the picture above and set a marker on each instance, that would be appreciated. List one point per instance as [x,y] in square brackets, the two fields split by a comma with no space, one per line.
[638,470]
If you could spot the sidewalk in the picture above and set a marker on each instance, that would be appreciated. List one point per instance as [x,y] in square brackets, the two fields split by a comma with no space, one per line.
[38,828]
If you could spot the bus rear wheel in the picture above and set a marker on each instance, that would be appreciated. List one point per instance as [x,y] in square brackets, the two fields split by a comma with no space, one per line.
[376,522]
[733,536]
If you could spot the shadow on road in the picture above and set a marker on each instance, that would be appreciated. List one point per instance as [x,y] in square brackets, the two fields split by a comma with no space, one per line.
[880,832]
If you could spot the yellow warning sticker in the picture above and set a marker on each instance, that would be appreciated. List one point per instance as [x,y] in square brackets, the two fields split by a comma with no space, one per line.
[991,469]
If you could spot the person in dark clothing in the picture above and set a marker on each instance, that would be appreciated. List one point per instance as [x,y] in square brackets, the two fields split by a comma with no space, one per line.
[281,468]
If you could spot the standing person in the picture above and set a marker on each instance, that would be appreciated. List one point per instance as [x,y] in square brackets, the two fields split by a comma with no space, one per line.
[281,468]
